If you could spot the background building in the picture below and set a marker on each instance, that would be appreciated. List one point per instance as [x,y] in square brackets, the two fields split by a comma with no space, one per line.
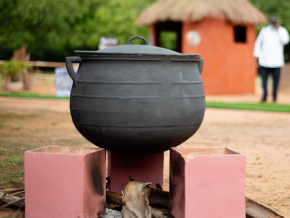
[221,31]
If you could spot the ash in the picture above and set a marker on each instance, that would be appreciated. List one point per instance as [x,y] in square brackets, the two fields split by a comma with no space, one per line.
[111,213]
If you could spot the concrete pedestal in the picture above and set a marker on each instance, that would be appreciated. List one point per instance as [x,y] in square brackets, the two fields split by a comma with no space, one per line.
[65,182]
[207,182]
[144,169]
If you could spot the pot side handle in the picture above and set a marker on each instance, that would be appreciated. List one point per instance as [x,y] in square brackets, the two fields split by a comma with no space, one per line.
[200,65]
[69,66]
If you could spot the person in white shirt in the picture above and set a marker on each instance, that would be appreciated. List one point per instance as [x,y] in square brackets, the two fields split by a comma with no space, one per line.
[269,49]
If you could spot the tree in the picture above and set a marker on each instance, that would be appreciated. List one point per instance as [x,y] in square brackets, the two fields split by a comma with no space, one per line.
[45,26]
[278,8]
[118,19]
[52,29]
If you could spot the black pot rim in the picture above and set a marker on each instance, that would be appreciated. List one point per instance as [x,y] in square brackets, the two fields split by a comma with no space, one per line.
[93,55]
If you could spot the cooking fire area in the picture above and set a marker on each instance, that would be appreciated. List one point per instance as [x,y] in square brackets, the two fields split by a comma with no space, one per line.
[134,102]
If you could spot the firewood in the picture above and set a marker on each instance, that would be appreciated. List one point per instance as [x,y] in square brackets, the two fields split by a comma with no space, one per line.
[11,200]
[254,209]
[157,198]
[12,190]
[114,197]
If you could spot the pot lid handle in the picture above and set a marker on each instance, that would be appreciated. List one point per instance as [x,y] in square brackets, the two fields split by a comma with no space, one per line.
[137,37]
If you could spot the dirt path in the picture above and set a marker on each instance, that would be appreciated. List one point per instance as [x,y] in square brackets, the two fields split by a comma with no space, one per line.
[262,136]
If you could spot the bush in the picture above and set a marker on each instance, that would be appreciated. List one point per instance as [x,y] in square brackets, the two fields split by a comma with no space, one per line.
[13,69]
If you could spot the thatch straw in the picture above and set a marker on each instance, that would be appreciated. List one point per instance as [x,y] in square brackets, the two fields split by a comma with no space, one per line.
[235,11]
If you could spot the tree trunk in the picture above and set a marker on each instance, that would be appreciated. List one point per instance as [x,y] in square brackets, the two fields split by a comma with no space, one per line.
[22,55]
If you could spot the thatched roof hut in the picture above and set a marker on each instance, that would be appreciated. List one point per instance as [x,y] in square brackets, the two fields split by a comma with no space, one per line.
[235,11]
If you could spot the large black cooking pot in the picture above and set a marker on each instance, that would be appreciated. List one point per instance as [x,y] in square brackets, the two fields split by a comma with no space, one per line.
[136,99]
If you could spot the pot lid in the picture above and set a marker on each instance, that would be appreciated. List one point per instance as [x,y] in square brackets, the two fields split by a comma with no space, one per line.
[136,49]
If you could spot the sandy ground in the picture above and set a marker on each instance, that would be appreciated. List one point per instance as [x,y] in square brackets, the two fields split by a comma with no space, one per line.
[262,136]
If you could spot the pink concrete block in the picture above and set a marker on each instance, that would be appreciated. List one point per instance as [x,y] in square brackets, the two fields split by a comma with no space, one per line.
[65,182]
[142,168]
[207,182]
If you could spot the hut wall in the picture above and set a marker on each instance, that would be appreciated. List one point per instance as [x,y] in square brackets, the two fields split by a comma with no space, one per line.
[152,39]
[229,66]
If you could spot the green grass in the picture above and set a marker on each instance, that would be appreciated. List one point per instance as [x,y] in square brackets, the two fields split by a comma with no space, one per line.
[210,104]
[250,106]
[16,137]
[12,160]
[30,95]
[8,115]
[12,145]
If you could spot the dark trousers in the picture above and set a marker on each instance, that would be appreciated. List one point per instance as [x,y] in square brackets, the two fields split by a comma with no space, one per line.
[265,71]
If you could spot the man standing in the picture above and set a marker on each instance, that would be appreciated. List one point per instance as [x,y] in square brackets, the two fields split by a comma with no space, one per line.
[269,49]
